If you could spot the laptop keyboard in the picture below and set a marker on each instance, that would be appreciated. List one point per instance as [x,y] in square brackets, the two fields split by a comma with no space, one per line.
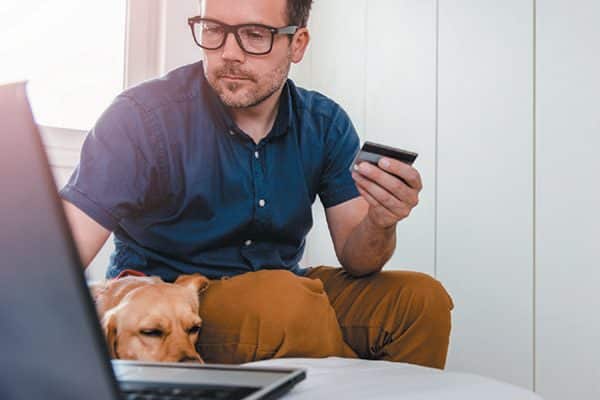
[186,393]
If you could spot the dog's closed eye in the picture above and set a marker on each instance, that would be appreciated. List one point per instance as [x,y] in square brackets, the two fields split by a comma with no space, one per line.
[194,329]
[152,332]
[159,333]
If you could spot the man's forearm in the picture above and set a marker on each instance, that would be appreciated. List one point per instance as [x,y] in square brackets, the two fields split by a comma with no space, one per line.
[368,248]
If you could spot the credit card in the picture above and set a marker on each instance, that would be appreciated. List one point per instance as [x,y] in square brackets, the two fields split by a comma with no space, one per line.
[372,152]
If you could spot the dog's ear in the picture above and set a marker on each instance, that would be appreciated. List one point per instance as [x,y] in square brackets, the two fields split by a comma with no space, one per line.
[96,288]
[196,281]
[109,326]
[98,292]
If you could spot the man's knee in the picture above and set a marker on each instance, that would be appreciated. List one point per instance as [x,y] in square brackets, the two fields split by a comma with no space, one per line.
[413,298]
[419,323]
[417,285]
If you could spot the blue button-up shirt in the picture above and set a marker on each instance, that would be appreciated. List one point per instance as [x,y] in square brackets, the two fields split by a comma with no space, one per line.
[185,190]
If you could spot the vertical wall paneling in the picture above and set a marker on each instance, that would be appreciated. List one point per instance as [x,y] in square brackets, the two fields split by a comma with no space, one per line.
[178,47]
[485,198]
[400,109]
[338,52]
[568,200]
[142,53]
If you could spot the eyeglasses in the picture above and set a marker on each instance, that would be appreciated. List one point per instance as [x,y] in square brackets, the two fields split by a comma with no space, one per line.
[255,39]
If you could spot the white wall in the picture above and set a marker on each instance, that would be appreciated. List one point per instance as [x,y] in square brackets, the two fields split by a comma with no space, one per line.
[485,183]
[500,98]
[568,200]
[507,159]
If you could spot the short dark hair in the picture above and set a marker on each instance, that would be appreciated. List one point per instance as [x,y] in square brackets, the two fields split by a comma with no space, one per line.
[298,12]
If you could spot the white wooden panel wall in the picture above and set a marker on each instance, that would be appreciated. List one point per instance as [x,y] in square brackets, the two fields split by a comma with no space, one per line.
[568,200]
[485,175]
[143,34]
[178,47]
[400,110]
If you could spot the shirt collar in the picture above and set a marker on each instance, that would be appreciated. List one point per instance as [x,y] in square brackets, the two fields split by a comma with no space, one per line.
[283,121]
[282,124]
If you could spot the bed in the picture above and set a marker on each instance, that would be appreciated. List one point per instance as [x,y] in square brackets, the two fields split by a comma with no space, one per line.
[353,379]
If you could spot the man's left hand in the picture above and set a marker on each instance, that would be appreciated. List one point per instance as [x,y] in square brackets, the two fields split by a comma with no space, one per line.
[390,199]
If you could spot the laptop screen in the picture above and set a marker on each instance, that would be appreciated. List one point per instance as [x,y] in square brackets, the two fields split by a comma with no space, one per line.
[52,346]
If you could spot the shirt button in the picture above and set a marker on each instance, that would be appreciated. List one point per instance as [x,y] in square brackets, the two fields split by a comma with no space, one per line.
[248,242]
[256,154]
[262,203]
[231,132]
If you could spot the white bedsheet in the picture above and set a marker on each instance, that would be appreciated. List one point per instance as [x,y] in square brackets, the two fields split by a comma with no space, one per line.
[350,379]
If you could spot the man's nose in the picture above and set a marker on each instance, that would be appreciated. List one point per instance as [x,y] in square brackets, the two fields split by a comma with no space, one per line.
[232,50]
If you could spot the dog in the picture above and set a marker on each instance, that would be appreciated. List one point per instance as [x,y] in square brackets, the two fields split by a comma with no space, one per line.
[147,319]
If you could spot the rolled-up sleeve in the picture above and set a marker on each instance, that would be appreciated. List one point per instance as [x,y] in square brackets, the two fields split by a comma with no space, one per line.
[121,170]
[341,145]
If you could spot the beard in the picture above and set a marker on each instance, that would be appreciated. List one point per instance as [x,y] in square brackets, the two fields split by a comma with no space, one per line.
[253,90]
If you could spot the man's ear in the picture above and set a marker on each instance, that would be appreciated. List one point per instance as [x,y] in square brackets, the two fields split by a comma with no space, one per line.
[196,281]
[109,326]
[299,44]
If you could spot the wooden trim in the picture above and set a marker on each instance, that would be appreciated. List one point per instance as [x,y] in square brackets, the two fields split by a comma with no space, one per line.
[143,42]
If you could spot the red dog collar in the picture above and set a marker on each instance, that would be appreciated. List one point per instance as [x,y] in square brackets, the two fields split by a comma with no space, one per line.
[129,272]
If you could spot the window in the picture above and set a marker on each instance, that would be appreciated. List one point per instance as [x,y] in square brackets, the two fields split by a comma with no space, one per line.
[72,52]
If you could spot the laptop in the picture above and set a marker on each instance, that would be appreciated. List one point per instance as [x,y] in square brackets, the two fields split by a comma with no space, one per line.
[51,343]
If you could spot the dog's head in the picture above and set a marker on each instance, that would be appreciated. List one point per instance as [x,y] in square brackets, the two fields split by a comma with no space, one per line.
[147,319]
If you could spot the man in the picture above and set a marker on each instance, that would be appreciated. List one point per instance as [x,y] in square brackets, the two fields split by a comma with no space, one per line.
[214,168]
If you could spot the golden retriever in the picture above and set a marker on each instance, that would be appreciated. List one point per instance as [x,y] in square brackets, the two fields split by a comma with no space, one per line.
[147,319]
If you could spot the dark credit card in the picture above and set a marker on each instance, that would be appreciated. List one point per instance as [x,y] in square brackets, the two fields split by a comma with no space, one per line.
[372,152]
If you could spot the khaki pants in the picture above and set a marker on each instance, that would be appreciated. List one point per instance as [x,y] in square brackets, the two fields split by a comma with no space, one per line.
[392,315]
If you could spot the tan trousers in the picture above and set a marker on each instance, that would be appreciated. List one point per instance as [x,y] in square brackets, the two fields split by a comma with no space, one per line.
[392,315]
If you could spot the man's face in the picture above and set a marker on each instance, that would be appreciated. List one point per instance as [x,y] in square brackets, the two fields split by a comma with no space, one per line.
[242,80]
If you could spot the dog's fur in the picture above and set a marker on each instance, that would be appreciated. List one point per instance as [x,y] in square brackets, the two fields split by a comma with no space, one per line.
[147,319]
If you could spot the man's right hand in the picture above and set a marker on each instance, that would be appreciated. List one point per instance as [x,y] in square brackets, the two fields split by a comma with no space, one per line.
[89,235]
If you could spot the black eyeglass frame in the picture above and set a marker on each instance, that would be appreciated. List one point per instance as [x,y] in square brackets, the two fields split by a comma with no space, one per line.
[286,30]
